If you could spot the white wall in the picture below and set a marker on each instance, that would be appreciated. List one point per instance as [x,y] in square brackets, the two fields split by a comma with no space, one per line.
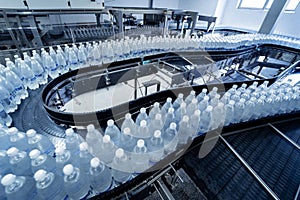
[288,24]
[204,7]
[171,4]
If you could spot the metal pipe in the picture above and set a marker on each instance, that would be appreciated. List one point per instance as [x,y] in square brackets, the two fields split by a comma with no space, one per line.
[249,168]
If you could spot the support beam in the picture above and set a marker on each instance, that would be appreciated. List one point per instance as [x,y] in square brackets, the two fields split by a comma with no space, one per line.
[151,3]
[272,16]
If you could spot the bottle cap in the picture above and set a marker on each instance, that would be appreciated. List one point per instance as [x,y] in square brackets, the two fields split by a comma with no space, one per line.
[209,108]
[182,105]
[180,95]
[69,131]
[169,99]
[83,146]
[185,118]
[193,92]
[206,98]
[158,116]
[156,104]
[95,162]
[157,133]
[255,83]
[140,143]
[40,175]
[242,100]
[173,126]
[31,133]
[106,138]
[8,179]
[59,150]
[217,96]
[34,154]
[12,151]
[143,110]
[119,153]
[197,112]
[90,127]
[234,86]
[244,85]
[68,169]
[194,101]
[143,123]
[127,131]
[231,102]
[215,89]
[204,90]
[128,116]
[171,110]
[12,131]
[6,59]
[110,122]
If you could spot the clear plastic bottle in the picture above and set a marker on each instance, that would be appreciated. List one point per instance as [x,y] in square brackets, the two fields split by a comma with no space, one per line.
[16,83]
[179,113]
[190,109]
[19,140]
[156,124]
[52,53]
[37,56]
[82,59]
[178,101]
[195,122]
[140,157]
[64,157]
[121,167]
[85,158]
[61,62]
[40,141]
[213,92]
[20,162]
[39,72]
[100,176]
[128,122]
[142,116]
[2,190]
[155,110]
[206,120]
[202,94]
[49,185]
[190,97]
[7,87]
[203,104]
[5,167]
[73,60]
[11,66]
[170,138]
[239,108]
[218,116]
[72,142]
[50,66]
[214,101]
[5,118]
[229,113]
[143,130]
[113,131]
[184,130]
[28,78]
[19,187]
[226,98]
[94,139]
[127,141]
[166,106]
[156,147]
[170,117]
[77,184]
[42,161]
[7,101]
[107,150]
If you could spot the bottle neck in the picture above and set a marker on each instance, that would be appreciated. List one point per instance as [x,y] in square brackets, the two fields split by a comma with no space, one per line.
[47,181]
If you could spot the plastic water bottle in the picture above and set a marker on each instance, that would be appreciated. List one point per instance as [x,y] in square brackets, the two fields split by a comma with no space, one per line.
[253,87]
[156,147]
[52,54]
[61,62]
[178,101]
[42,161]
[194,122]
[142,116]
[27,59]
[5,118]
[250,106]
[190,97]
[239,107]
[113,131]
[170,117]
[40,142]
[179,113]
[73,59]
[64,157]
[11,66]
[127,141]
[49,185]
[100,176]
[82,58]
[121,167]
[202,94]
[155,110]
[5,167]
[94,139]
[166,106]
[20,162]
[39,72]
[19,187]
[156,124]
[218,116]
[143,130]
[214,101]
[9,94]
[85,158]
[7,101]
[50,66]
[2,190]
[107,150]
[232,90]
[229,112]
[226,98]
[77,185]
[16,82]
[72,141]
[184,130]
[19,140]
[203,104]
[206,120]
[4,139]
[28,78]
[192,107]
[140,157]
[37,56]
[128,122]
[170,138]
[243,88]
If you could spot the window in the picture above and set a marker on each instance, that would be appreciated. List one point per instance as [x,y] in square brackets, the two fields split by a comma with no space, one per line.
[266,4]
